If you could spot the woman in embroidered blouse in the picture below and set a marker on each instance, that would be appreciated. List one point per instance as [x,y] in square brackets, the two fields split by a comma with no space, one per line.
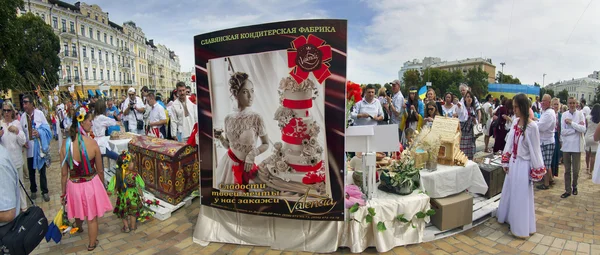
[523,163]
[241,131]
[449,109]
[83,177]
[99,125]
[467,116]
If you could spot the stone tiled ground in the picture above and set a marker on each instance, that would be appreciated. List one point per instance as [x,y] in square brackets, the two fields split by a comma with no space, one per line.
[565,226]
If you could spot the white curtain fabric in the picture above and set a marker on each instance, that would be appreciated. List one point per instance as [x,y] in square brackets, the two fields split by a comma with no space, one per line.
[215,225]
[450,180]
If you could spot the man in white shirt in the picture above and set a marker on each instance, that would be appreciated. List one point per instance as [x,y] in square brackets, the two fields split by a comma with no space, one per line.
[396,105]
[585,109]
[133,111]
[157,117]
[367,111]
[487,112]
[185,115]
[546,127]
[572,129]
[31,119]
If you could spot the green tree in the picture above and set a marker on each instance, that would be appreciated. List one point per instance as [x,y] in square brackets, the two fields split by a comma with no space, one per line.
[563,95]
[597,97]
[38,60]
[546,91]
[506,79]
[477,79]
[412,78]
[440,79]
[9,43]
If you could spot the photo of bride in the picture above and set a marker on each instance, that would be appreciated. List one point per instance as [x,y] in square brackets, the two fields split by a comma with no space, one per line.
[268,129]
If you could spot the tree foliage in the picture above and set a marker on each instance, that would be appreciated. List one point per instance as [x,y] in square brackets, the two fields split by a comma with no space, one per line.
[506,78]
[412,78]
[477,79]
[564,96]
[597,96]
[546,91]
[28,50]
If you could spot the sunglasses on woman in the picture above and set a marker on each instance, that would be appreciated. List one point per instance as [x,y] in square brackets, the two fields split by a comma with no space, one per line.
[431,109]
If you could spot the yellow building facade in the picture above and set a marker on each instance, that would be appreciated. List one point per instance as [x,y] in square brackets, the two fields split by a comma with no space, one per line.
[469,63]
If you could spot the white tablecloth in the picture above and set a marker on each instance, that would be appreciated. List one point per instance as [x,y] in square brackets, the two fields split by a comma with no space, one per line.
[119,145]
[215,225]
[450,180]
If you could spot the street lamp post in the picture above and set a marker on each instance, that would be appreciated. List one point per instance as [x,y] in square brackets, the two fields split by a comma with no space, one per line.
[502,76]
[543,80]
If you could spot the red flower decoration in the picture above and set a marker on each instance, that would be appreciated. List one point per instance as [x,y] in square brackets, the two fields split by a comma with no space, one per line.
[313,177]
[147,217]
[353,91]
[309,55]
[294,132]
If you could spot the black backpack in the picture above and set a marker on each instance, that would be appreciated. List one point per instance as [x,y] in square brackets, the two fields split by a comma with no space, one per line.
[25,232]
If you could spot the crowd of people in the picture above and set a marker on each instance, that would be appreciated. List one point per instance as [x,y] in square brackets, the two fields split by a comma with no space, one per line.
[533,137]
[83,128]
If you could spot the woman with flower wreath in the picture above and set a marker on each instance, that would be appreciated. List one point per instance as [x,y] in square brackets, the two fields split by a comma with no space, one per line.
[128,185]
[83,177]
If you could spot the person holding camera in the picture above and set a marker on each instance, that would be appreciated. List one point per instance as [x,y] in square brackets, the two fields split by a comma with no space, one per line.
[133,113]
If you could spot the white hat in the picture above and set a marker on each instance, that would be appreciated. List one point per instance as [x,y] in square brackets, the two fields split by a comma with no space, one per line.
[131,90]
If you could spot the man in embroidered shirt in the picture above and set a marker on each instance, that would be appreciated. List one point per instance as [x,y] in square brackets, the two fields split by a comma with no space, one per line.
[31,119]
[572,129]
[368,111]
[157,117]
[185,115]
[396,106]
[546,127]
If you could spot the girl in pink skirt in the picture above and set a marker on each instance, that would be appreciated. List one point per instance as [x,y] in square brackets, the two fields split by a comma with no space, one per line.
[83,177]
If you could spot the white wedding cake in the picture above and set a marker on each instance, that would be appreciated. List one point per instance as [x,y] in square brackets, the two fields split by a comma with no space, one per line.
[296,163]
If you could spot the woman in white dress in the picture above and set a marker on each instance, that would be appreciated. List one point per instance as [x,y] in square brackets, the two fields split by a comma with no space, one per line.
[449,109]
[13,138]
[522,157]
[591,146]
[241,131]
[99,125]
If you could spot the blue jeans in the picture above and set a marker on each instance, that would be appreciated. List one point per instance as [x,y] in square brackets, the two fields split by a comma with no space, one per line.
[111,155]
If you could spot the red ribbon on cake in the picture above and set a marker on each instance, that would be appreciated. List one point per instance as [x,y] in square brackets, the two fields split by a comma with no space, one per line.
[305,168]
[297,104]
[322,72]
[241,176]
[292,139]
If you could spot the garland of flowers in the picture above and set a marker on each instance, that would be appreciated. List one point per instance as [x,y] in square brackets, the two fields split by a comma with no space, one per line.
[353,95]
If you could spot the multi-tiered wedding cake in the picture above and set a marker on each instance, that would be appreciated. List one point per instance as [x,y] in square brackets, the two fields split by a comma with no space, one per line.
[296,164]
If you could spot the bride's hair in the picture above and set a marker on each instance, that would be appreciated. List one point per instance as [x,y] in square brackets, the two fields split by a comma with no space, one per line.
[236,82]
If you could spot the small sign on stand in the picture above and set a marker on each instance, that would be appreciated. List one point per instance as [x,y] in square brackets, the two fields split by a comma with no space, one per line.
[371,139]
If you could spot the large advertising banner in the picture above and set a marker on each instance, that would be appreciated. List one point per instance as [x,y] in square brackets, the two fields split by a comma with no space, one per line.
[271,114]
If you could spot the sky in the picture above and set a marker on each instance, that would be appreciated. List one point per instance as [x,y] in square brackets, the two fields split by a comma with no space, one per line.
[555,37]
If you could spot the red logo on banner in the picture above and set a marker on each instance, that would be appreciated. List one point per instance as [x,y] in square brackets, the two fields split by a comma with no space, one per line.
[309,55]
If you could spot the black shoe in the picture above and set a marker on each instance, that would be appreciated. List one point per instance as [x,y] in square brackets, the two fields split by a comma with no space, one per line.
[565,195]
[575,192]
[33,195]
[542,187]
[46,197]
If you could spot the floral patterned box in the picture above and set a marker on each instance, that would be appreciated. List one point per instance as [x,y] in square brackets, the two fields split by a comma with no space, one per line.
[170,169]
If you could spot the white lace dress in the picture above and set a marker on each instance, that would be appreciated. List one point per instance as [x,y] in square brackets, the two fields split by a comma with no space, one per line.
[522,153]
[242,130]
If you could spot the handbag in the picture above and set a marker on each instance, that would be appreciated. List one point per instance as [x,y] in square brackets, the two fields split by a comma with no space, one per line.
[24,233]
[139,123]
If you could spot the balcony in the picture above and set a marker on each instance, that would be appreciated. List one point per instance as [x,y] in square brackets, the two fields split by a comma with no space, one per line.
[69,54]
[94,61]
[151,62]
[101,62]
[162,76]
[128,82]
[68,33]
[86,60]
[161,66]
[125,66]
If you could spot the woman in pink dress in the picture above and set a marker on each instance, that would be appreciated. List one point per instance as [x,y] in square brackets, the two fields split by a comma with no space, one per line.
[83,177]
[523,163]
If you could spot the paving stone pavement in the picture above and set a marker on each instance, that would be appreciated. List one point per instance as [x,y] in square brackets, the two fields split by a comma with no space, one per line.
[564,226]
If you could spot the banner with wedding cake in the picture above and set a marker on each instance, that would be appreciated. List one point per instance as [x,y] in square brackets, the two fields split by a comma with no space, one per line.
[271,118]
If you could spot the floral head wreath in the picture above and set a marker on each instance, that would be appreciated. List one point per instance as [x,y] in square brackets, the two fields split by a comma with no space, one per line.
[80,115]
[126,157]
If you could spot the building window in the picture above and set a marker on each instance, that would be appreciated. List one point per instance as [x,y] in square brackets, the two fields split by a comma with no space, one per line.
[100,55]
[108,75]
[74,50]
[94,73]
[111,40]
[88,14]
[103,21]
[106,55]
[114,75]
[98,35]
[112,55]
[96,16]
[105,41]
[92,53]
[76,70]
[84,52]
[55,22]
[82,30]
[69,72]
[64,25]
[91,33]
[101,74]
[87,76]
[72,27]
[66,49]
